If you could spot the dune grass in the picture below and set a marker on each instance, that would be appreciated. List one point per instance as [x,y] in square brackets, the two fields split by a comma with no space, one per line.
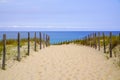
[115,41]
[11,44]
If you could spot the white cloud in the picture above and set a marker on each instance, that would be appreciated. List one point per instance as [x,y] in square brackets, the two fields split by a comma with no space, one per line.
[23,26]
[49,27]
[45,28]
[67,27]
[55,28]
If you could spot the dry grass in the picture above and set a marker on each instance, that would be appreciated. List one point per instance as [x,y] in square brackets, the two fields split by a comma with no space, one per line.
[11,46]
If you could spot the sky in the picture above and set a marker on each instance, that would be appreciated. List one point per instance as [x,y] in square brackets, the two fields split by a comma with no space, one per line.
[59,15]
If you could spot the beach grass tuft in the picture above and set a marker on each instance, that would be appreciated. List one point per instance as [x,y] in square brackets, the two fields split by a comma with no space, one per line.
[11,46]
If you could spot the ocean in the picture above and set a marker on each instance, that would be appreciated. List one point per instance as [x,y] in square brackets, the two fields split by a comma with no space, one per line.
[55,36]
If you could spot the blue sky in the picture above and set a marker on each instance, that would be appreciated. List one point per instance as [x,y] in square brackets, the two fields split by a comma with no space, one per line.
[75,15]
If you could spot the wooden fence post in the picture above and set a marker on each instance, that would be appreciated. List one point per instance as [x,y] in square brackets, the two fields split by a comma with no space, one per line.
[99,41]
[104,45]
[18,56]
[110,44]
[35,41]
[95,42]
[49,40]
[44,40]
[88,40]
[119,38]
[85,41]
[4,51]
[28,43]
[91,40]
[40,40]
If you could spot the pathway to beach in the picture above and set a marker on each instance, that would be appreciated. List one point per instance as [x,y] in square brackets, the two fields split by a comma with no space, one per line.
[65,62]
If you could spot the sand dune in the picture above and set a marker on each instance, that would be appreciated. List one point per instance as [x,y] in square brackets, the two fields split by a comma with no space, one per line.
[65,62]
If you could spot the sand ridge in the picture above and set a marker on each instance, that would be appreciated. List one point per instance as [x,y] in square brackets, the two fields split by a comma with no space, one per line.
[64,62]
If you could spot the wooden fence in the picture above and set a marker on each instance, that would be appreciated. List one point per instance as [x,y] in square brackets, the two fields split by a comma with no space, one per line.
[45,41]
[93,40]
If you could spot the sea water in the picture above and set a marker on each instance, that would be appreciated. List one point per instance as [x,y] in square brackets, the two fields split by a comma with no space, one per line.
[55,36]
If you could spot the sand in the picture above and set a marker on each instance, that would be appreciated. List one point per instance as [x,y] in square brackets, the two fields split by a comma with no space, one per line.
[65,62]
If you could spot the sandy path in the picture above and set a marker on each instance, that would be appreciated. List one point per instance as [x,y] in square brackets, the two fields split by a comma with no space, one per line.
[66,62]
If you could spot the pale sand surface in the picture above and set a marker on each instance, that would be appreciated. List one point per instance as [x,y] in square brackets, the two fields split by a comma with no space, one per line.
[66,62]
